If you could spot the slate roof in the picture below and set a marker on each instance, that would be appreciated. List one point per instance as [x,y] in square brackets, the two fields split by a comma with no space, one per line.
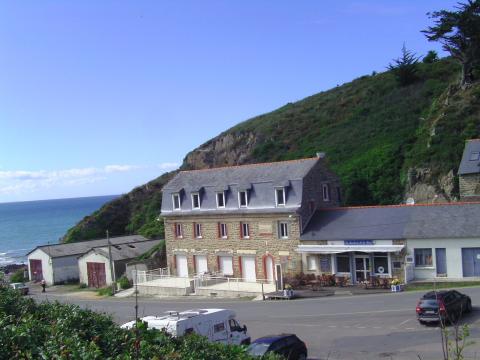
[259,179]
[81,247]
[452,220]
[469,164]
[126,251]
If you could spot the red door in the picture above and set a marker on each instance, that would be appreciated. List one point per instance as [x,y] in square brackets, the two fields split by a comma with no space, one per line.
[96,274]
[36,270]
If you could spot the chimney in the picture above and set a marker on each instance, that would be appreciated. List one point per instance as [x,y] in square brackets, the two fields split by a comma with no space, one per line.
[321,155]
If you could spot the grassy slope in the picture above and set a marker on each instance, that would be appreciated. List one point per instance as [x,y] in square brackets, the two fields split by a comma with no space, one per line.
[372,130]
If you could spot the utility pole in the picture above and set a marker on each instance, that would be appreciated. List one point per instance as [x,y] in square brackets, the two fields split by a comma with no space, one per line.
[114,285]
[137,340]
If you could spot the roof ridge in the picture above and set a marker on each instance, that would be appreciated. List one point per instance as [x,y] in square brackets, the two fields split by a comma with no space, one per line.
[458,203]
[86,241]
[251,165]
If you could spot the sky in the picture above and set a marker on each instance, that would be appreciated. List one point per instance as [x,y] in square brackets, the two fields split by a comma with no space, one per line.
[97,97]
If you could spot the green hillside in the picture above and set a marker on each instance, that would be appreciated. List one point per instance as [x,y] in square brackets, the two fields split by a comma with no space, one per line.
[374,131]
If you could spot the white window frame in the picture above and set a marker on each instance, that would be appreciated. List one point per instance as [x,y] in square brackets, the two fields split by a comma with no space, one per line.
[223,231]
[216,199]
[179,230]
[312,260]
[283,225]
[240,197]
[198,231]
[276,196]
[326,192]
[176,195]
[193,202]
[245,230]
[423,265]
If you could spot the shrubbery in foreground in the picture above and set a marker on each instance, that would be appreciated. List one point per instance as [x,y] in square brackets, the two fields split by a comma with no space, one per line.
[58,331]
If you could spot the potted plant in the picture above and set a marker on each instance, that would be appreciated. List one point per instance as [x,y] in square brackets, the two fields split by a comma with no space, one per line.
[396,285]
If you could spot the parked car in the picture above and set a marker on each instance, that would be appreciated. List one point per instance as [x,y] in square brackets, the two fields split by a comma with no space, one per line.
[444,306]
[287,345]
[21,287]
[218,325]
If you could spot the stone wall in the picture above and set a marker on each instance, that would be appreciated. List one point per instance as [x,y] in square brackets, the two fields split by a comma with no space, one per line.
[263,241]
[469,187]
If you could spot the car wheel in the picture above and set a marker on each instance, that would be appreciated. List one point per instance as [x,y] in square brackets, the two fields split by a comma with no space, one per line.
[302,356]
[469,306]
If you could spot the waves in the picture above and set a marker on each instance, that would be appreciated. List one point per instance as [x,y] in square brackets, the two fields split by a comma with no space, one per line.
[16,256]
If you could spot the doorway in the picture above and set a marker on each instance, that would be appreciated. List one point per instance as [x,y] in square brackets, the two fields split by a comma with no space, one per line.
[362,267]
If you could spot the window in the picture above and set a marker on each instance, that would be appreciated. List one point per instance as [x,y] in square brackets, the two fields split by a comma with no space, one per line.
[222,228]
[178,230]
[380,264]
[280,196]
[474,156]
[326,192]
[242,199]
[195,201]
[219,327]
[311,263]
[423,257]
[282,230]
[244,230]
[234,325]
[197,230]
[176,201]
[343,264]
[220,199]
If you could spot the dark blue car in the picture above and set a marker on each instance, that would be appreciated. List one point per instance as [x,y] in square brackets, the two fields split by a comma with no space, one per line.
[287,345]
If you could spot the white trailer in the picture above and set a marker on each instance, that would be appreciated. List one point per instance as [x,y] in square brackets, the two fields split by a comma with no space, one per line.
[218,325]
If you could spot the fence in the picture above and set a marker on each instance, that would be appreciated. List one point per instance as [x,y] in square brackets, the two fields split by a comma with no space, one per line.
[232,284]
[142,276]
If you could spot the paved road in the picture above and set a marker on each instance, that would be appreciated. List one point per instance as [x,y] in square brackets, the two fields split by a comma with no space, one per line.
[380,326]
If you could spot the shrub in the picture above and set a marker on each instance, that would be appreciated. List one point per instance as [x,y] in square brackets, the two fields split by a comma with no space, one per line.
[83,286]
[106,291]
[18,276]
[124,283]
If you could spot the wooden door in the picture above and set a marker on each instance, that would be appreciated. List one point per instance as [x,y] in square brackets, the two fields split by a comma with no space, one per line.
[96,274]
[36,273]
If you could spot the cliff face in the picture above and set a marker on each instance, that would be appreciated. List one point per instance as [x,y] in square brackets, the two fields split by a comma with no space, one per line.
[386,142]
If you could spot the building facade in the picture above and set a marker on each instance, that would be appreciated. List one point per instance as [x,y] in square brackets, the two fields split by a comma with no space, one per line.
[469,172]
[244,221]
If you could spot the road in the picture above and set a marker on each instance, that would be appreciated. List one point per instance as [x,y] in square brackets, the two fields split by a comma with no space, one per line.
[380,326]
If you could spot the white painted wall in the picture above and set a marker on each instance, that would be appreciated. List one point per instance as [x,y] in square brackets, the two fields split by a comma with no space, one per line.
[47,268]
[65,269]
[93,257]
[453,249]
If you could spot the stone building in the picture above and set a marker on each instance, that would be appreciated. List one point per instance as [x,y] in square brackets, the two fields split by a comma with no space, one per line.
[244,221]
[469,171]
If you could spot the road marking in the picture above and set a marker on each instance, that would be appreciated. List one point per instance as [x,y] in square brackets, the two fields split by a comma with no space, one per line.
[343,313]
[404,322]
[377,327]
[361,327]
[409,328]
[332,326]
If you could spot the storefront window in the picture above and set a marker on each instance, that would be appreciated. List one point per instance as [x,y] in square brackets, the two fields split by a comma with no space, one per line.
[380,264]
[423,257]
[343,263]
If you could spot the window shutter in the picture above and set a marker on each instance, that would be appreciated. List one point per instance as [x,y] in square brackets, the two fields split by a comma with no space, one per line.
[241,230]
[194,230]
[175,230]
[219,230]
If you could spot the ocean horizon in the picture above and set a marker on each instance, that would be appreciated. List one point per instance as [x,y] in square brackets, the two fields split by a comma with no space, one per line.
[27,224]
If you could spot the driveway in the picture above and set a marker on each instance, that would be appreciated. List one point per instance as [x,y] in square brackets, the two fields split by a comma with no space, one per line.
[380,326]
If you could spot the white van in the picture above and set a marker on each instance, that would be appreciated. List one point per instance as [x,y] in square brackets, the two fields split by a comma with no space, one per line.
[218,325]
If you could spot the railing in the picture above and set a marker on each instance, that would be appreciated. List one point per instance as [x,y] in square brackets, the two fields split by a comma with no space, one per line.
[142,276]
[229,283]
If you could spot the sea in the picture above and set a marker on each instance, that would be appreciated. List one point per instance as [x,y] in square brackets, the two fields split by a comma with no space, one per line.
[26,225]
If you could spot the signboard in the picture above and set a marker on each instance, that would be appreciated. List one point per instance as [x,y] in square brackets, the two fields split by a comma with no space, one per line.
[358,242]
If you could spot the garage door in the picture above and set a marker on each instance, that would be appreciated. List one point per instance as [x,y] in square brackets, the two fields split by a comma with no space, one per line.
[248,268]
[201,264]
[96,274]
[36,270]
[471,262]
[182,266]
[226,265]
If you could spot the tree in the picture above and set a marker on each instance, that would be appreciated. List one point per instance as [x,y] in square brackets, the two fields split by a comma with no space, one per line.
[405,67]
[459,33]
[431,57]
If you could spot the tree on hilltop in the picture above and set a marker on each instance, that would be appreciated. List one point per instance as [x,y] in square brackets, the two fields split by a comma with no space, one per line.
[405,67]
[459,33]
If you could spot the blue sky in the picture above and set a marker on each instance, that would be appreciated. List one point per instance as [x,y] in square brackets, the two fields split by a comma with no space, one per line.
[97,97]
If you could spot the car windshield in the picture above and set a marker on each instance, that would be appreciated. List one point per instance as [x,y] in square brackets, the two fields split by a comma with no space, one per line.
[429,302]
[258,349]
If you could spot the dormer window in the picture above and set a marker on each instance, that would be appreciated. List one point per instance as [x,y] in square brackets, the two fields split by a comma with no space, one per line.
[220,199]
[474,156]
[242,198]
[326,192]
[176,201]
[280,196]
[195,201]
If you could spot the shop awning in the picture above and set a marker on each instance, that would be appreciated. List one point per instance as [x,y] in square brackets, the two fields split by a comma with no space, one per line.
[336,249]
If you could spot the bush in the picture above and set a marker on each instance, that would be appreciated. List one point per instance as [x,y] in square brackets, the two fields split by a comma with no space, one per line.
[124,283]
[83,286]
[106,291]
[18,276]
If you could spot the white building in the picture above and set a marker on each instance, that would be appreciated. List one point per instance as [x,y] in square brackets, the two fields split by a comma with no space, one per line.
[59,263]
[420,242]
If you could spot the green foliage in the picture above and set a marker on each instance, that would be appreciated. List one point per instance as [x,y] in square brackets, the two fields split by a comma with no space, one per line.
[160,248]
[124,283]
[105,291]
[82,286]
[405,67]
[431,57]
[18,276]
[62,331]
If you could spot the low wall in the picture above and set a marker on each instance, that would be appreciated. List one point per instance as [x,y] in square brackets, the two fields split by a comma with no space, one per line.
[224,293]
[163,291]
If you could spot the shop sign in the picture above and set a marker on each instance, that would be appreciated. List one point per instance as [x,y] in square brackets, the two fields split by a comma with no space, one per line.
[358,242]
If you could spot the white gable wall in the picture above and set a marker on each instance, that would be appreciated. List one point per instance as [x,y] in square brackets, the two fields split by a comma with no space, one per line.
[65,269]
[93,257]
[47,268]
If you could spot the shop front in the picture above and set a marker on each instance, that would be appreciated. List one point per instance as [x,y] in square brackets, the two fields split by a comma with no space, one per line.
[356,260]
